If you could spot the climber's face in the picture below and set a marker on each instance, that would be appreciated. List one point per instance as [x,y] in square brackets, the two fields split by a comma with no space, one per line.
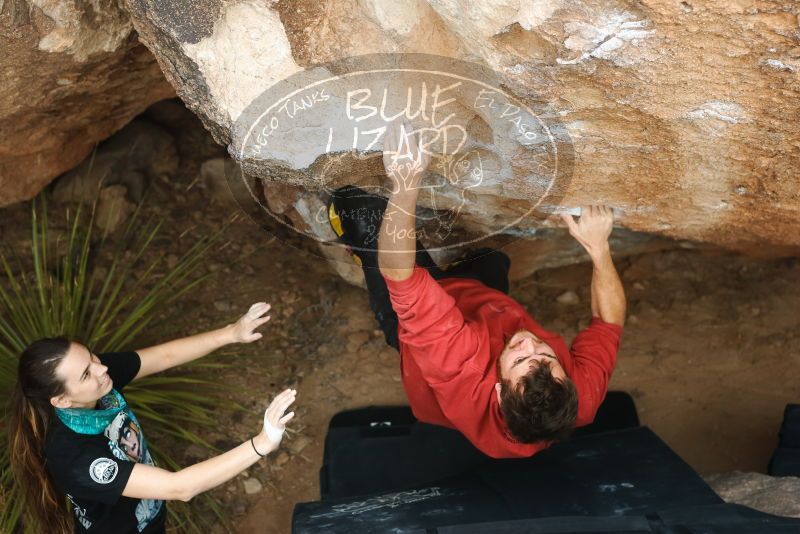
[524,351]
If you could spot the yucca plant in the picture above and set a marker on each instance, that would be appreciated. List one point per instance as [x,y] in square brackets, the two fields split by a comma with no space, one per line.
[43,296]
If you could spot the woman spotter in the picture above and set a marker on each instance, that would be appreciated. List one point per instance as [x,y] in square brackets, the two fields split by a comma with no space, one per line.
[74,437]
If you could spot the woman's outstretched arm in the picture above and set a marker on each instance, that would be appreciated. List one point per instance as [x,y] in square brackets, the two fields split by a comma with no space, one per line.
[148,482]
[173,353]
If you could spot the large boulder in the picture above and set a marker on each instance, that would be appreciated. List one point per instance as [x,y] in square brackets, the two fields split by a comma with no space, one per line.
[72,74]
[680,115]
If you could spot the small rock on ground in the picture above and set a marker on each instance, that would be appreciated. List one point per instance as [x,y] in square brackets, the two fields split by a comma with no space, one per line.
[281,459]
[113,208]
[296,446]
[568,298]
[356,339]
[252,486]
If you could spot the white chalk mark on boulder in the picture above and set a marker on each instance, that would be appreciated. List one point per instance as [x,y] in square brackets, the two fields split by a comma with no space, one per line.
[602,39]
[779,65]
[728,112]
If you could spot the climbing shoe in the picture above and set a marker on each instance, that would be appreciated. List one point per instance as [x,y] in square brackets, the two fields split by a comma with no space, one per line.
[355,217]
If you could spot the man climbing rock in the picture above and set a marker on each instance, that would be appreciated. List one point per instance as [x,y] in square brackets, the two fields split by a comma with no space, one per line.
[472,358]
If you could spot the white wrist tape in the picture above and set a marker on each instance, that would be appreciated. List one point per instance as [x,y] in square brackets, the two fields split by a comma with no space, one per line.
[273,434]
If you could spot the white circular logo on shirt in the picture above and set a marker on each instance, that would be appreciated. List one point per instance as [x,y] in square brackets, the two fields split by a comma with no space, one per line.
[103,470]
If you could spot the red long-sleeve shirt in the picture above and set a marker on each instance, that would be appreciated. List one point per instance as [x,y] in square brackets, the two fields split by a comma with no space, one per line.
[452,333]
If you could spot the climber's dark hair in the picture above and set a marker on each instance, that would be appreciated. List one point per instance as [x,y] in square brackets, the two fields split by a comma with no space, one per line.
[539,407]
[29,413]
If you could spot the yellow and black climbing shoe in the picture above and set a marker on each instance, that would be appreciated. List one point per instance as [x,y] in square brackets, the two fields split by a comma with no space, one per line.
[355,217]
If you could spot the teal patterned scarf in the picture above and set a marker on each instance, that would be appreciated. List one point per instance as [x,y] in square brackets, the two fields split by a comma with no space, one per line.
[87,421]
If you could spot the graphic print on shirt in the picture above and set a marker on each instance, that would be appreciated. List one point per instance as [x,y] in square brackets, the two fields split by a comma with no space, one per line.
[126,437]
[126,441]
[80,513]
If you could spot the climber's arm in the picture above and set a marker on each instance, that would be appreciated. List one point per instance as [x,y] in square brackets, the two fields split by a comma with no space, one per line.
[397,243]
[608,295]
[592,231]
[405,163]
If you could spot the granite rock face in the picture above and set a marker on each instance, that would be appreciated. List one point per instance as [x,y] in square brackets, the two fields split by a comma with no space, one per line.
[681,115]
[773,495]
[72,74]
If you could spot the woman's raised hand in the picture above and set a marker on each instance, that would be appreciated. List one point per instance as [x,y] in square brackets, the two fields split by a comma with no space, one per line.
[275,417]
[244,328]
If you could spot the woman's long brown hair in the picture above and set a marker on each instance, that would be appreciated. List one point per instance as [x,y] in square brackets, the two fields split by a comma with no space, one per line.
[29,415]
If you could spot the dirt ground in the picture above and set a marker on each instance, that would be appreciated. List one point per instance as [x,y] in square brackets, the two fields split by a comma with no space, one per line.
[711,351]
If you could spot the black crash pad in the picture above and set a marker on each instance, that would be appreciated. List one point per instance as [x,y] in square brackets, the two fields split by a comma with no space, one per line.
[622,473]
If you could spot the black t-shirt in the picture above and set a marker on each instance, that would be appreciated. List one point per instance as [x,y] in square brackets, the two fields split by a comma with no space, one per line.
[92,470]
